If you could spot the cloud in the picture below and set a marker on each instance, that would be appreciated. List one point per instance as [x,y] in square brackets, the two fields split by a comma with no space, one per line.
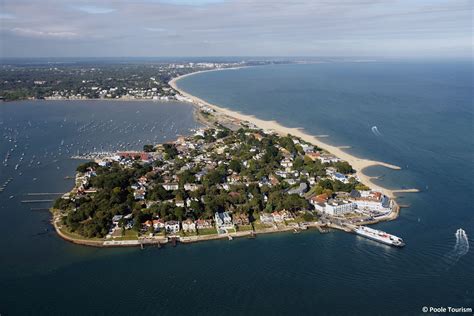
[6,16]
[92,9]
[237,27]
[190,2]
[155,29]
[43,34]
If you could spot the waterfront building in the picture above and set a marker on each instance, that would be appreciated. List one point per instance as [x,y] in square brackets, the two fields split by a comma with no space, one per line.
[172,227]
[189,226]
[266,218]
[333,207]
[203,224]
[223,220]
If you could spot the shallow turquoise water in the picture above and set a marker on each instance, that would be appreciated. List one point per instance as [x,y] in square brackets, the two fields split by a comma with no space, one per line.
[424,115]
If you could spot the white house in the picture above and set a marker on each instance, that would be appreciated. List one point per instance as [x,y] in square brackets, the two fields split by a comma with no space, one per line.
[189,225]
[223,220]
[191,187]
[266,218]
[172,227]
[287,163]
[170,186]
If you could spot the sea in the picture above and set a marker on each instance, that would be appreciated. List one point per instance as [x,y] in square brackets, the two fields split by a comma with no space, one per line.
[414,114]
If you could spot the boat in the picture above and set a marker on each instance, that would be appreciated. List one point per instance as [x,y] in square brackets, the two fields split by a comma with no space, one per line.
[379,236]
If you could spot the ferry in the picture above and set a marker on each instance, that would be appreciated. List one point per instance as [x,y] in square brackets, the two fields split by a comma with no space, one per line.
[379,236]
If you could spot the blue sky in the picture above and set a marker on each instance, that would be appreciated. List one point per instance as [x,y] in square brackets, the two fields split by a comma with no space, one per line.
[86,28]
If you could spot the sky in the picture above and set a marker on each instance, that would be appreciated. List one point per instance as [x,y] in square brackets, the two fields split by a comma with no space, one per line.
[154,28]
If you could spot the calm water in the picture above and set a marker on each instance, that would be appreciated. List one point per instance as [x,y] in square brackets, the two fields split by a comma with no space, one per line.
[424,113]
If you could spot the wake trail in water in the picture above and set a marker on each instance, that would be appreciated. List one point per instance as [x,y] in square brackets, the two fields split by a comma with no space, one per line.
[375,130]
[461,248]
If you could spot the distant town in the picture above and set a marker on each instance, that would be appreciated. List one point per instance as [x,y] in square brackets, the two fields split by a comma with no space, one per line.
[108,81]
[217,183]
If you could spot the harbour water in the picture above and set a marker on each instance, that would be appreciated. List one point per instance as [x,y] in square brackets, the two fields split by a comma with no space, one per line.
[423,115]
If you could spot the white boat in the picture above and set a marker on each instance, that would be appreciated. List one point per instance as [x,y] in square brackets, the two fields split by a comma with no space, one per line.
[379,236]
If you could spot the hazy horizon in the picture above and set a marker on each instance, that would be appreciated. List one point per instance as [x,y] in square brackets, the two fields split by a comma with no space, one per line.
[235,28]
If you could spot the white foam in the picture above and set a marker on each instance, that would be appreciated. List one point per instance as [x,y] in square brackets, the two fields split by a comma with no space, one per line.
[376,131]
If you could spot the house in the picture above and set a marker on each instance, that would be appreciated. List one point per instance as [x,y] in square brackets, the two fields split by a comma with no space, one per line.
[282,174]
[277,217]
[266,218]
[143,156]
[287,216]
[179,203]
[139,194]
[273,180]
[190,187]
[340,177]
[142,180]
[171,186]
[241,219]
[322,198]
[189,225]
[233,178]
[300,190]
[172,227]
[328,159]
[158,224]
[200,175]
[116,219]
[203,224]
[313,155]
[287,163]
[223,220]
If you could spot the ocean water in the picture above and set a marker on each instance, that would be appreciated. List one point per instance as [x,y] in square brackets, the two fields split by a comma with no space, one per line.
[424,118]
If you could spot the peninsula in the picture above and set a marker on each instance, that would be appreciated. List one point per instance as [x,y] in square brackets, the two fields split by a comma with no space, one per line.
[240,176]
[226,181]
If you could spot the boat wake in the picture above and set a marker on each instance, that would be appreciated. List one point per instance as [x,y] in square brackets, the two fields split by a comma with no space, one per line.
[461,248]
[376,131]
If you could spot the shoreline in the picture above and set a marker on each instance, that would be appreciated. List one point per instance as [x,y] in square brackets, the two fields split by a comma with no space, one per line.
[165,240]
[359,164]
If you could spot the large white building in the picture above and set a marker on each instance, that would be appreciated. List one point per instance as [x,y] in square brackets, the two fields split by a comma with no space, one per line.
[335,208]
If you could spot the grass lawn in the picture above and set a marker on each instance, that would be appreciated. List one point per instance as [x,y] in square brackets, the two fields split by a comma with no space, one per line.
[243,228]
[207,231]
[129,235]
[259,225]
[77,236]
[187,234]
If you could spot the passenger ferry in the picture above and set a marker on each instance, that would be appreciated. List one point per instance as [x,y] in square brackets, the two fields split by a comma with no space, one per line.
[379,236]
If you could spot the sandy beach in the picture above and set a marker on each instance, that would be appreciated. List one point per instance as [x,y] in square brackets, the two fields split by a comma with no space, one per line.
[359,164]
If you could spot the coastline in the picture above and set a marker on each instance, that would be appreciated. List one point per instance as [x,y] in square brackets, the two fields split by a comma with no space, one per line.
[103,243]
[359,164]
